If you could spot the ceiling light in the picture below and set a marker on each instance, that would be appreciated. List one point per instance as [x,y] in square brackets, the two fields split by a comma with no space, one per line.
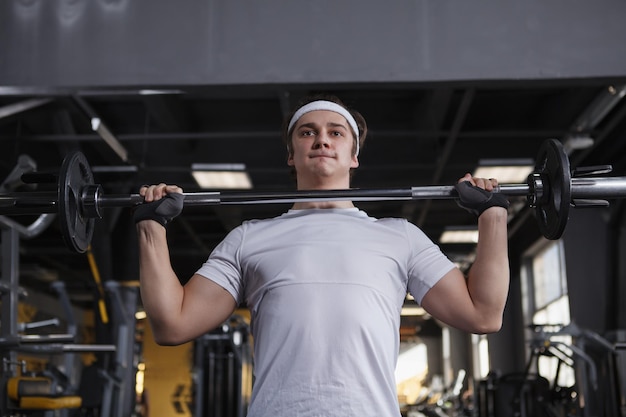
[506,171]
[149,92]
[115,169]
[221,176]
[459,235]
[412,311]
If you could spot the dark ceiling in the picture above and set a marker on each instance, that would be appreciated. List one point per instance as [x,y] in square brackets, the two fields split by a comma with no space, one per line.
[418,135]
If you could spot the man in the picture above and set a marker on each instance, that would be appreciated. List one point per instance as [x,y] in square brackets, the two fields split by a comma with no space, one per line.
[324,282]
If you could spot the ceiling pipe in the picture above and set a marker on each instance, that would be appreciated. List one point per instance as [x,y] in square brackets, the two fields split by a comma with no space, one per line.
[22,106]
[599,108]
[591,117]
[99,127]
[608,127]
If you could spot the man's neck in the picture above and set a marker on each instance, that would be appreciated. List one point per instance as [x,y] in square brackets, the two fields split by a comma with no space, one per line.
[323,204]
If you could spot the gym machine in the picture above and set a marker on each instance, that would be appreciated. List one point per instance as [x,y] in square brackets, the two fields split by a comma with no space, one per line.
[597,390]
[56,392]
[223,370]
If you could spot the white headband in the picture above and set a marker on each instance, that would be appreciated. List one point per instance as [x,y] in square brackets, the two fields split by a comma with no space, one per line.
[330,106]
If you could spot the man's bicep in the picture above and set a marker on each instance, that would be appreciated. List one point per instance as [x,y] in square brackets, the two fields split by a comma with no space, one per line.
[449,301]
[207,304]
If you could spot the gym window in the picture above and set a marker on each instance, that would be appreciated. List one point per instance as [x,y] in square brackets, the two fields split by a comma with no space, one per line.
[545,300]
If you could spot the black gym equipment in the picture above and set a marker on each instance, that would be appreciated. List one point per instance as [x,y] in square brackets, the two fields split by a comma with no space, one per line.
[222,369]
[538,391]
[105,388]
[551,189]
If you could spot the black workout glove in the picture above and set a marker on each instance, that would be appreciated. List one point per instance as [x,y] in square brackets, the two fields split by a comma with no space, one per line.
[161,211]
[476,200]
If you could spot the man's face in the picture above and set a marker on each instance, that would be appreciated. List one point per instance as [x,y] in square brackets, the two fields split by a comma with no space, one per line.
[322,144]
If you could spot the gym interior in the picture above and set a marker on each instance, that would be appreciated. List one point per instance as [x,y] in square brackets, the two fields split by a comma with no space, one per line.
[149,92]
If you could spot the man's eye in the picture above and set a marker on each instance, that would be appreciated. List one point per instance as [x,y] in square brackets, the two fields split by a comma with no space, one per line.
[337,133]
[307,133]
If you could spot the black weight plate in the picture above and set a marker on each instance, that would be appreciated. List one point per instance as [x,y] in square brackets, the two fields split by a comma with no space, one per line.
[553,210]
[76,229]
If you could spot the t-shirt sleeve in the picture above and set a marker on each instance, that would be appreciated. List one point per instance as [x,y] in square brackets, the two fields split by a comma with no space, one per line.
[223,265]
[427,264]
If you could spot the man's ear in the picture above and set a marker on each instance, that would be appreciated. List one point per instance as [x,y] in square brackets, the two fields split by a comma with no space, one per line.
[355,162]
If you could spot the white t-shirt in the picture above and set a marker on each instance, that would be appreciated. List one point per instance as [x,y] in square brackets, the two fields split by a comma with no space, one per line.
[325,288]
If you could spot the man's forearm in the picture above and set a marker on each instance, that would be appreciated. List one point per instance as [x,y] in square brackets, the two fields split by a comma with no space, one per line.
[488,278]
[161,291]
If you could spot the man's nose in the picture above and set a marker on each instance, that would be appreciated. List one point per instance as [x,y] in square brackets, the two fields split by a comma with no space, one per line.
[321,141]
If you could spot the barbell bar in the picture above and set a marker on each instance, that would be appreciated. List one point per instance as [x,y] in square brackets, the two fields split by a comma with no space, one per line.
[550,190]
[91,200]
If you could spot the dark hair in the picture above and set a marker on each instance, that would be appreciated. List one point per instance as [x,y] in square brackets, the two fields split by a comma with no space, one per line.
[360,121]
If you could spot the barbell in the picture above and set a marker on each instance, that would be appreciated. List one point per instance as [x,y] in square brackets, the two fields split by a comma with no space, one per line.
[551,189]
